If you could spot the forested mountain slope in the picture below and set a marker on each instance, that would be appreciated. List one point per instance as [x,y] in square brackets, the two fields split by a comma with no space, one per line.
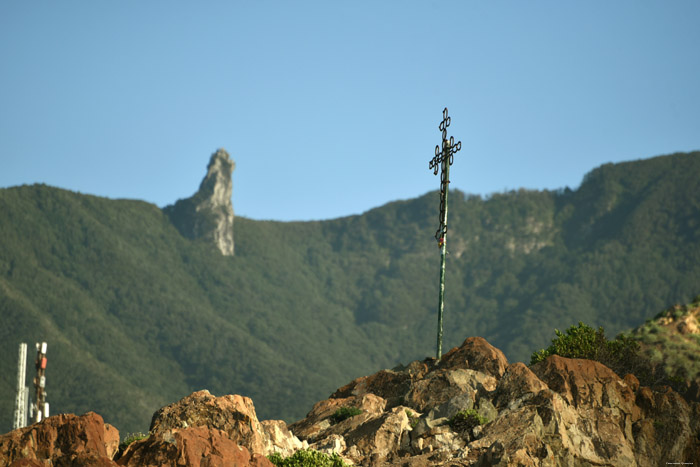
[136,316]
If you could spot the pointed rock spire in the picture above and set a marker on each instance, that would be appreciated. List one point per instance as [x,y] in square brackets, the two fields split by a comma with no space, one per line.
[208,214]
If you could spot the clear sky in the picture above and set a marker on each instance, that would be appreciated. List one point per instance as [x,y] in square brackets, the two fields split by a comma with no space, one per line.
[331,108]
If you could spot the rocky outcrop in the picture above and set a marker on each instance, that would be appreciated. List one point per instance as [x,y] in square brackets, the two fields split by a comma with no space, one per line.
[196,446]
[234,415]
[61,440]
[559,412]
[471,408]
[208,214]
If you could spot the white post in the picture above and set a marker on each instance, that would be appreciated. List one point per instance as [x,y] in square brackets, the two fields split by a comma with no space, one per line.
[20,419]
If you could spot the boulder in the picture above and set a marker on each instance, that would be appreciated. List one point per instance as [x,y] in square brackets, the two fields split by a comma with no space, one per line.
[64,439]
[196,446]
[476,354]
[378,438]
[585,383]
[439,386]
[277,438]
[233,414]
[517,382]
[318,424]
[558,412]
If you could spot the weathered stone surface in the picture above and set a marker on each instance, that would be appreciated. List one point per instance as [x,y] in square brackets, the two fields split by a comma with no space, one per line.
[517,382]
[317,423]
[278,438]
[197,446]
[584,382]
[476,354]
[233,414]
[380,437]
[387,384]
[208,213]
[64,439]
[559,412]
[441,385]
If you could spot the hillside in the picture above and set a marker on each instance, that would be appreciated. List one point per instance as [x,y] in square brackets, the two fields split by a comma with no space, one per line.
[137,316]
[672,339]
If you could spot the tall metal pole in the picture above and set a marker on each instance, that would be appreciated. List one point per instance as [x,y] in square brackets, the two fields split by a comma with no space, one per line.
[20,419]
[442,160]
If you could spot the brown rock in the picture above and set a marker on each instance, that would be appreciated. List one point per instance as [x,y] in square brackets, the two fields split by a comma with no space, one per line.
[233,414]
[318,424]
[670,429]
[193,447]
[559,412]
[585,382]
[380,437]
[442,385]
[477,354]
[518,381]
[387,384]
[64,439]
[631,381]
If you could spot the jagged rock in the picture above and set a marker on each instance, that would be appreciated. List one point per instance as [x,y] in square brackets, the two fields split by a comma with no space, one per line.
[278,438]
[64,439]
[233,414]
[317,423]
[331,444]
[442,385]
[517,382]
[559,412]
[476,354]
[208,214]
[197,446]
[379,437]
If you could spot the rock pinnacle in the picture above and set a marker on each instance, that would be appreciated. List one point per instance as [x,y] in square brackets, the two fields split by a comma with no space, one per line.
[208,214]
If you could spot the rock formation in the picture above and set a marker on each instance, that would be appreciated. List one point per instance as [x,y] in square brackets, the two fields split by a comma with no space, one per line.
[61,440]
[472,408]
[208,214]
[559,412]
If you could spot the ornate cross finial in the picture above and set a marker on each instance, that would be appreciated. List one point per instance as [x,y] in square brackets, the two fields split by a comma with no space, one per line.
[444,158]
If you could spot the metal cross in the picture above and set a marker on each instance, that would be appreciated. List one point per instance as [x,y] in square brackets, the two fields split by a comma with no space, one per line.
[443,160]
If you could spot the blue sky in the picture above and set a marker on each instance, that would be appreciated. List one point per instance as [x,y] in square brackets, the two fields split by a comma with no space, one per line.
[332,108]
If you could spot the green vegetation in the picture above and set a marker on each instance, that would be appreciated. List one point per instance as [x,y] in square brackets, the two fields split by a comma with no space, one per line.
[466,420]
[413,419]
[667,347]
[344,413]
[137,316]
[582,341]
[130,438]
[308,458]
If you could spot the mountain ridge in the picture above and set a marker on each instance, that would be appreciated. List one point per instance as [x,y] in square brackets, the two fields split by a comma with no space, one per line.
[137,315]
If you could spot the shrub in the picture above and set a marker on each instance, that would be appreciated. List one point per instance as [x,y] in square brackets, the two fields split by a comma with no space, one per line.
[307,458]
[622,355]
[130,438]
[466,420]
[344,413]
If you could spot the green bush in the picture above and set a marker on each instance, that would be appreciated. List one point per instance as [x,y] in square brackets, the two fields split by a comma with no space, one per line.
[622,355]
[466,420]
[130,438]
[344,413]
[580,341]
[307,458]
